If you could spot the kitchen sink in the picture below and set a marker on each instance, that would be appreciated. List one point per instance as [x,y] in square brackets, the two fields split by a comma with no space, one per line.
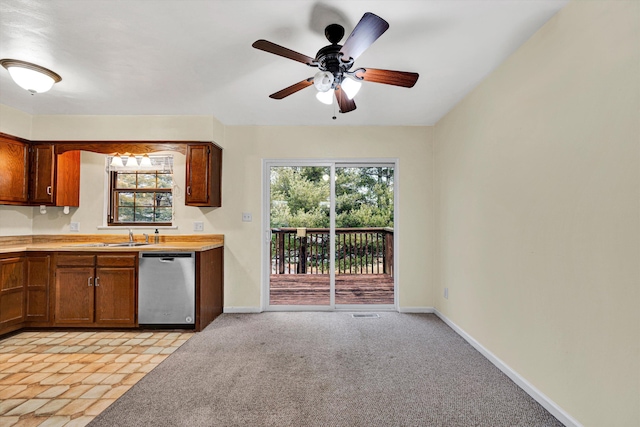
[87,245]
[129,244]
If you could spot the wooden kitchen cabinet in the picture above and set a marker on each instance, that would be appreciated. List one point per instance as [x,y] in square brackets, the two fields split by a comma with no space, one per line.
[37,289]
[54,179]
[95,290]
[204,175]
[14,170]
[32,174]
[12,286]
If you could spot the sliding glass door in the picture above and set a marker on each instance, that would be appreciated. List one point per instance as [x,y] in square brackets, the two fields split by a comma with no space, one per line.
[330,235]
[364,234]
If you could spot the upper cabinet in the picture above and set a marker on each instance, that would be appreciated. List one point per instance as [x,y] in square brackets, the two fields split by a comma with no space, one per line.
[54,179]
[204,175]
[14,169]
[32,174]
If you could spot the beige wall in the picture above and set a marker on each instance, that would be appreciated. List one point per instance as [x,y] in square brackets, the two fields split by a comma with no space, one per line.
[244,149]
[538,213]
[92,173]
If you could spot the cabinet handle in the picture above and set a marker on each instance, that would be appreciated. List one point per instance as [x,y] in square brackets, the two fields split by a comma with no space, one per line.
[89,281]
[49,190]
[188,190]
[97,281]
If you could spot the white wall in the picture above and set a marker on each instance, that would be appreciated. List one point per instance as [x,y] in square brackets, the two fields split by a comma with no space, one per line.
[538,212]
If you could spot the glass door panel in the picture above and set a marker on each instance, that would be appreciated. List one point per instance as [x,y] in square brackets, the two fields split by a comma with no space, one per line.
[364,235]
[300,236]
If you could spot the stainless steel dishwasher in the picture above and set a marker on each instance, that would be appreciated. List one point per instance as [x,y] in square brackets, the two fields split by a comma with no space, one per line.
[167,288]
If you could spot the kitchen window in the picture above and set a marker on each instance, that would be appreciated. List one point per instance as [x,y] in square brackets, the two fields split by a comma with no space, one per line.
[141,195]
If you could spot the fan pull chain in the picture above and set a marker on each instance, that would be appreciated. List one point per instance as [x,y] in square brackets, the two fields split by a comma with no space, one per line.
[334,110]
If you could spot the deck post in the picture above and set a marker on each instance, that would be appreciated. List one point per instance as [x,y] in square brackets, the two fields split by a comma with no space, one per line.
[280,249]
[302,256]
[388,253]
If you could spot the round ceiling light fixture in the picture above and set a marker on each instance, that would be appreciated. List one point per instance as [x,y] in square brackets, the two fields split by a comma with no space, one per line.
[30,77]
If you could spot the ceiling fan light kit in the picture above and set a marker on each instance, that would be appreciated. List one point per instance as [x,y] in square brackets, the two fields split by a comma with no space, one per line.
[30,77]
[325,97]
[334,62]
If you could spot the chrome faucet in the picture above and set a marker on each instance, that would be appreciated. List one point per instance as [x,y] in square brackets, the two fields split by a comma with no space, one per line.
[146,237]
[130,236]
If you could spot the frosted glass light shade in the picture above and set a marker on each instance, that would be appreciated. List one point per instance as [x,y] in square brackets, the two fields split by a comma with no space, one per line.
[350,87]
[323,80]
[31,77]
[117,161]
[325,97]
[145,161]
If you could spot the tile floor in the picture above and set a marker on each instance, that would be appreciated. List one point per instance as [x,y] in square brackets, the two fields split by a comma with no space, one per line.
[67,378]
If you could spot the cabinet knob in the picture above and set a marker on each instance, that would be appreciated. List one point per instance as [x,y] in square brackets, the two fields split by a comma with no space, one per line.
[188,190]
[49,190]
[97,281]
[89,281]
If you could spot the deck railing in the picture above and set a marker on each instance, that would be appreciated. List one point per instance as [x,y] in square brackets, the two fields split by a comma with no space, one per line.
[306,250]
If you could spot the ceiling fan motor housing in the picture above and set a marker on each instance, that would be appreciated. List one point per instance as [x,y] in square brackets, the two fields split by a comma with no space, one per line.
[330,59]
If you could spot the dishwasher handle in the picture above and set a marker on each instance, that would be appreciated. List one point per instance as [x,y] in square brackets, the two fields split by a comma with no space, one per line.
[167,256]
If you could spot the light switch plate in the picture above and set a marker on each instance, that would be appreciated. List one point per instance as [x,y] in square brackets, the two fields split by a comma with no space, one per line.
[446,293]
[247,217]
[198,226]
[74,226]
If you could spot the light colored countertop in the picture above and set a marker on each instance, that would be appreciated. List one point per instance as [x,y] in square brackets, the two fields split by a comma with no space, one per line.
[87,243]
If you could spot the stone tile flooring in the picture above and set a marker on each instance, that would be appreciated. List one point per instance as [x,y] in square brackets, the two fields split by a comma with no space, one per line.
[67,378]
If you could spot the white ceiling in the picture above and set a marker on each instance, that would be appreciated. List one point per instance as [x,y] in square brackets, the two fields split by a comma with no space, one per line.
[188,57]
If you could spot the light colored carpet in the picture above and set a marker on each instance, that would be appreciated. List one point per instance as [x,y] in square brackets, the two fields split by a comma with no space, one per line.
[325,369]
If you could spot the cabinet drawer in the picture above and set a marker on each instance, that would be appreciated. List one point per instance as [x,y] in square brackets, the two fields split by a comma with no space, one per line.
[75,260]
[120,260]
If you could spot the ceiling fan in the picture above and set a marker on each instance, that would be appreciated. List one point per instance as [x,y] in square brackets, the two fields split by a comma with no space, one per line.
[334,63]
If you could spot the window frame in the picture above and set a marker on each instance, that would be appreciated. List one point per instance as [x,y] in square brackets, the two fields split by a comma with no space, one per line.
[113,190]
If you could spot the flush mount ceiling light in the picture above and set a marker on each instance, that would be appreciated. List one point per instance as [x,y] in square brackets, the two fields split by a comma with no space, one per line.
[31,77]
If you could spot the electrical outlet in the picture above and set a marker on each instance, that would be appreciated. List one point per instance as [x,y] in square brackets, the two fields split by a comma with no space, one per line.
[247,217]
[198,226]
[74,226]
[446,293]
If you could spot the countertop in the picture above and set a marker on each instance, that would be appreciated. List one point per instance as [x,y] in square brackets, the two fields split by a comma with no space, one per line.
[81,243]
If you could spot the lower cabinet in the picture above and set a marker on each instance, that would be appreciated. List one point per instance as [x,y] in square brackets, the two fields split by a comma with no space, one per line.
[37,291]
[12,285]
[95,290]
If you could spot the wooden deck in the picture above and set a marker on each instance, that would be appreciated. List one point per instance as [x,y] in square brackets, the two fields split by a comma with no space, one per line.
[313,289]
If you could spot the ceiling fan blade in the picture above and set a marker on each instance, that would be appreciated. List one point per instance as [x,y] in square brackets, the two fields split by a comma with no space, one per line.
[363,35]
[344,102]
[292,89]
[388,77]
[267,46]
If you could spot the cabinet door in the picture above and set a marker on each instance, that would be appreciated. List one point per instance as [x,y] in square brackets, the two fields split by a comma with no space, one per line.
[14,155]
[37,297]
[204,167]
[12,281]
[198,174]
[115,296]
[74,298]
[41,191]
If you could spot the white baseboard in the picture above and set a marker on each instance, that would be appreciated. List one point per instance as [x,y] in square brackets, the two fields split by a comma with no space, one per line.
[416,310]
[525,385]
[241,310]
